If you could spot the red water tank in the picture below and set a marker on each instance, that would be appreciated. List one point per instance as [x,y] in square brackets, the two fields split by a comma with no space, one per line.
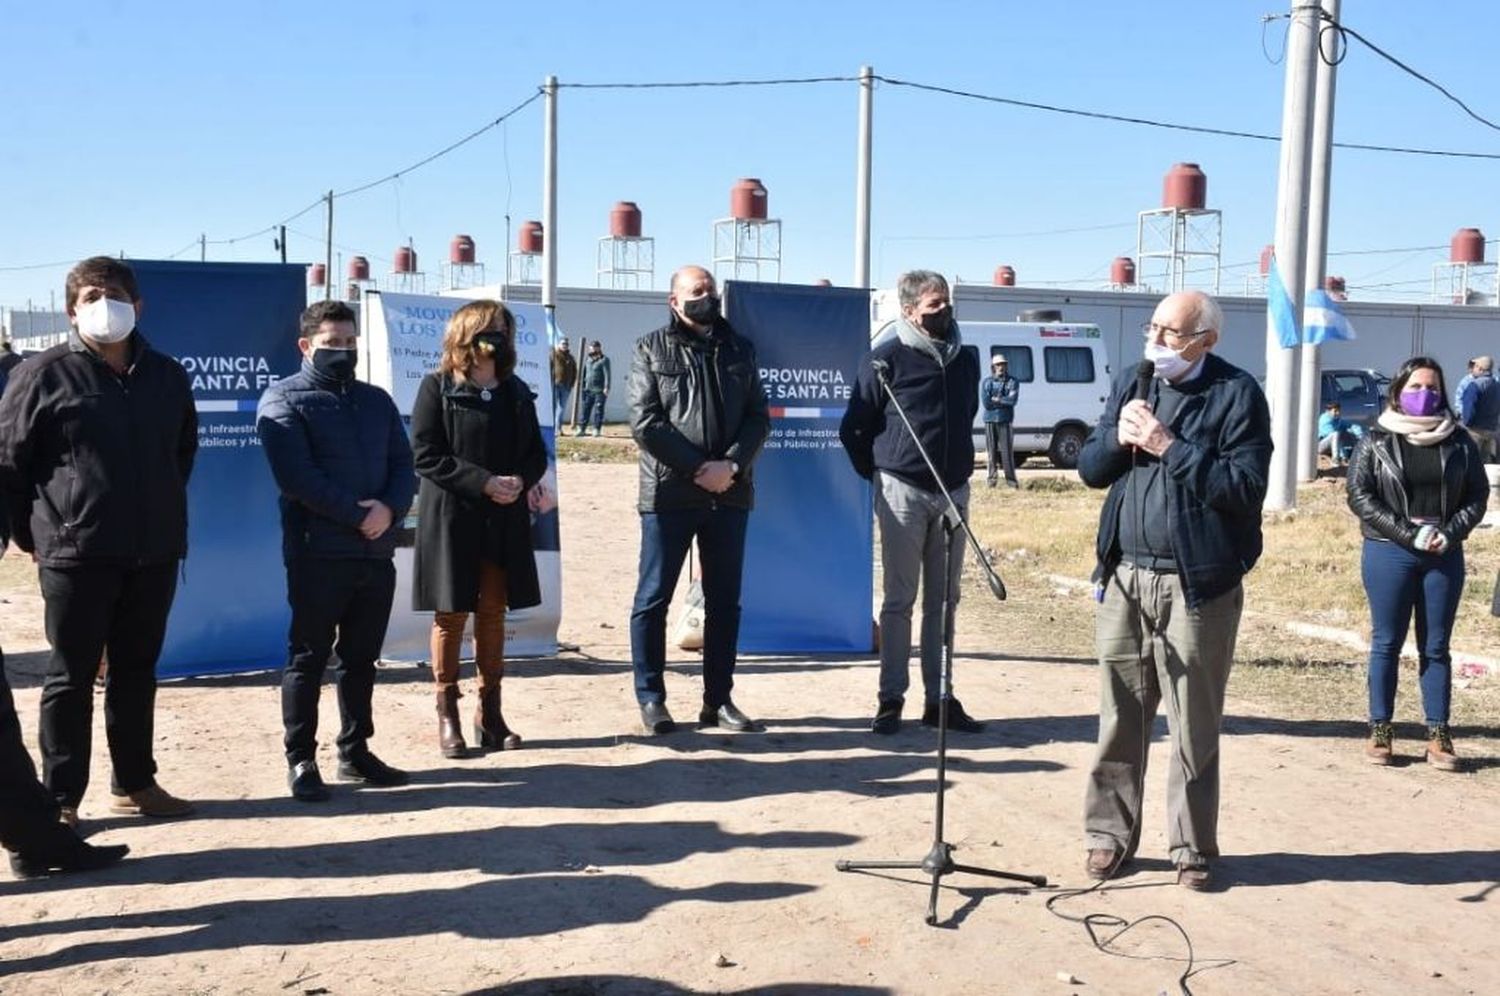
[352,293]
[406,260]
[625,220]
[1185,187]
[1122,271]
[1265,260]
[748,200]
[359,268]
[1333,285]
[461,250]
[317,275]
[530,239]
[1005,276]
[1467,246]
[822,282]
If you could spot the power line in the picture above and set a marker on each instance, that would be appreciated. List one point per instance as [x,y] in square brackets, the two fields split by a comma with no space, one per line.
[1347,31]
[698,84]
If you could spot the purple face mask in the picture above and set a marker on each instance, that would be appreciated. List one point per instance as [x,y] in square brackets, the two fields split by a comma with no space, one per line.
[1420,401]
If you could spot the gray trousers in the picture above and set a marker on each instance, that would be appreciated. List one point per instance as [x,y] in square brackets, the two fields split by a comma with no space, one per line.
[1000,450]
[911,551]
[1154,649]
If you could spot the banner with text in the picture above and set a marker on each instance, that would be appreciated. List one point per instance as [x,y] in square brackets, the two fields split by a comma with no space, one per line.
[809,553]
[403,339]
[233,327]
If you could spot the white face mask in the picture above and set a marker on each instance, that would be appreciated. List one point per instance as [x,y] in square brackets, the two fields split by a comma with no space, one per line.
[105,320]
[1169,363]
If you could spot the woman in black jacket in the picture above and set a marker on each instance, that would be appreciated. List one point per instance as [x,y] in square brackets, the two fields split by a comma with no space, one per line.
[478,450]
[1417,483]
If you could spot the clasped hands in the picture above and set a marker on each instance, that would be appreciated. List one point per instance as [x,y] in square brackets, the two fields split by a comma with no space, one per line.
[1140,427]
[715,476]
[503,490]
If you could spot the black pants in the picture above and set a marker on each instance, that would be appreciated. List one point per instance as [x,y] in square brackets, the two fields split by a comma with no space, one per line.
[338,606]
[999,440]
[91,610]
[28,813]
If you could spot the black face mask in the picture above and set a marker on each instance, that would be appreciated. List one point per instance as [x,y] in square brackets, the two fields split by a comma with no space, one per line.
[937,323]
[336,363]
[497,346]
[701,310]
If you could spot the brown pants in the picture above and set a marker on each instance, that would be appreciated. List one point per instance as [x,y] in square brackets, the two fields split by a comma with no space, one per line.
[489,632]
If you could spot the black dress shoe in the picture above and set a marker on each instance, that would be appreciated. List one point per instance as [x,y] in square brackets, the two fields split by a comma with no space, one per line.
[65,852]
[727,717]
[366,767]
[306,782]
[958,720]
[887,717]
[656,720]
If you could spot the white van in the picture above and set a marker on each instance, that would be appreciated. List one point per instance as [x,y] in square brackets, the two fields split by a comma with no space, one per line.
[1064,373]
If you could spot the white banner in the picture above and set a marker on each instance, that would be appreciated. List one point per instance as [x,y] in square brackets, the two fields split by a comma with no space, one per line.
[403,337]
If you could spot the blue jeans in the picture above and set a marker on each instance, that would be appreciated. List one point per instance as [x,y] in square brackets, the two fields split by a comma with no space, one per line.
[593,407]
[559,403]
[1400,582]
[665,537]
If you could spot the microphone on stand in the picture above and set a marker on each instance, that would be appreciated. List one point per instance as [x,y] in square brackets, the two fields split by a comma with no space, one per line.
[882,370]
[1144,371]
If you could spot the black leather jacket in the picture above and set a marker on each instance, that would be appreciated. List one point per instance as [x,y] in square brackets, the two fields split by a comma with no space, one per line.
[1378,491]
[672,372]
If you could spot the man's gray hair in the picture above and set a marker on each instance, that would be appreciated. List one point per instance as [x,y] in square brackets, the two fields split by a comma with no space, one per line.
[1484,363]
[914,283]
[1210,315]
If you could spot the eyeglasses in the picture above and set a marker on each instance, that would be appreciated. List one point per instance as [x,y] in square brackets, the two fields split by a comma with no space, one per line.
[1150,330]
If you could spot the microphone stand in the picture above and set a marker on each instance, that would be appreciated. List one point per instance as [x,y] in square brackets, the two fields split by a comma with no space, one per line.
[938,861]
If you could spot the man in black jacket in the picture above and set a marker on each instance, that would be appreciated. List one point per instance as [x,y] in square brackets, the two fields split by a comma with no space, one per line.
[341,458]
[936,379]
[97,439]
[700,417]
[1186,469]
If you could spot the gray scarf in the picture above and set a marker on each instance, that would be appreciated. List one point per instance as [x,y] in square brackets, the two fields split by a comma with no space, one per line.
[941,350]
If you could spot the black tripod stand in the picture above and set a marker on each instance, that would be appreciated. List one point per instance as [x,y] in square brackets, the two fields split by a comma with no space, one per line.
[939,860]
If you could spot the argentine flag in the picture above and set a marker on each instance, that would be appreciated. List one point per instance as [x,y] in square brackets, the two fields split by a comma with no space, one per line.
[1324,320]
[1281,317]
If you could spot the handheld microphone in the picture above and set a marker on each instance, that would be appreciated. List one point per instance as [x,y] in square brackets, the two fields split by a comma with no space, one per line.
[882,369]
[1144,371]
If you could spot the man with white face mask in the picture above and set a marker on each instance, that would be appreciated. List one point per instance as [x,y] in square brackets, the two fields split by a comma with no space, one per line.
[1185,462]
[97,438]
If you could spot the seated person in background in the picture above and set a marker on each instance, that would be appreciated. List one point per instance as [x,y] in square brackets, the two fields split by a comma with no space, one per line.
[1336,434]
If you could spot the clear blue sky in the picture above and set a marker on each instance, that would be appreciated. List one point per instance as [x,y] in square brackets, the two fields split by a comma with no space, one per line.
[135,127]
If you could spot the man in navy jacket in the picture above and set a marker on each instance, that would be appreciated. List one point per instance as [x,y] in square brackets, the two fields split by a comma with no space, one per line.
[936,379]
[1186,468]
[344,466]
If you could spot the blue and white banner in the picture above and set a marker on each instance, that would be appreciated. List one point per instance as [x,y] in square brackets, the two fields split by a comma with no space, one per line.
[233,327]
[1323,319]
[809,568]
[1281,315]
[403,339]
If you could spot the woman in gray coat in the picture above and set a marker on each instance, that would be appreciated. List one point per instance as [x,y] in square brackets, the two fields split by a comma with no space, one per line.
[478,449]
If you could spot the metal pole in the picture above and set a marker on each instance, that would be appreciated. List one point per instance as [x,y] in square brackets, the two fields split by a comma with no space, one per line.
[202,248]
[1291,248]
[862,178]
[549,198]
[281,242]
[328,275]
[1309,391]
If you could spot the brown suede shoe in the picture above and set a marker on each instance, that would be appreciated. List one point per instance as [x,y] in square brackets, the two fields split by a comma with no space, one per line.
[1102,863]
[1440,752]
[1195,877]
[1378,750]
[151,801]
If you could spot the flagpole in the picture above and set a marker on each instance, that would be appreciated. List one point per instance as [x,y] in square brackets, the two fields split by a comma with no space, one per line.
[1310,388]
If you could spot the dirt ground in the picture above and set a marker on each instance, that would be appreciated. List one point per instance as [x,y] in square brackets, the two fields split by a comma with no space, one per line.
[596,861]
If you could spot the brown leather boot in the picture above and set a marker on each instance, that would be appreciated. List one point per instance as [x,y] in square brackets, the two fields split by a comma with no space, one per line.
[450,727]
[490,731]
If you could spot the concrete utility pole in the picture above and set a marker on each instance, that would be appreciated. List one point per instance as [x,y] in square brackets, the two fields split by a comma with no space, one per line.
[328,275]
[202,248]
[1291,248]
[862,178]
[549,198]
[1310,389]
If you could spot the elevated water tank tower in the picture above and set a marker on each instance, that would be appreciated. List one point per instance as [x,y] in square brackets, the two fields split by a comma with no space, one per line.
[359,278]
[1005,276]
[405,278]
[1122,274]
[1466,278]
[625,259]
[525,262]
[1177,246]
[1336,288]
[463,268]
[747,244]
